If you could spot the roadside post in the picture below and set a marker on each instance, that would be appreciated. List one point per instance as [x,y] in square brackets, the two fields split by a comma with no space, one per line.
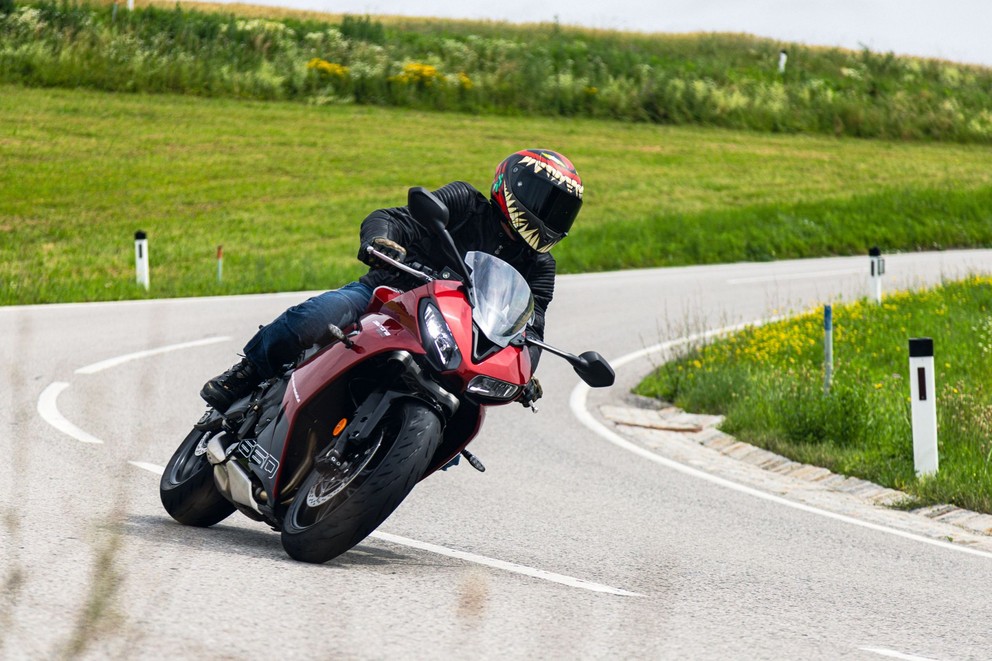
[220,263]
[141,258]
[782,57]
[828,348]
[923,397]
[877,270]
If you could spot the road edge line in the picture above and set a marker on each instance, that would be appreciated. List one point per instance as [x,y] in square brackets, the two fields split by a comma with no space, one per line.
[579,398]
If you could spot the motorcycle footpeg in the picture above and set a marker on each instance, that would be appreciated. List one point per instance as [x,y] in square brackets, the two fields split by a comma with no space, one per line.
[472,459]
[211,420]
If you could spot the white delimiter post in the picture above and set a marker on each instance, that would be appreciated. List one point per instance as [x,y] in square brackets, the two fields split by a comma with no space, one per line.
[924,405]
[877,269]
[141,257]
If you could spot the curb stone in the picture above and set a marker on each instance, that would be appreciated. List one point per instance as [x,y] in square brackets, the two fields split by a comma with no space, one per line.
[657,423]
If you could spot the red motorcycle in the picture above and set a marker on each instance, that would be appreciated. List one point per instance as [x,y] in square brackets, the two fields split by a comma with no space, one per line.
[326,451]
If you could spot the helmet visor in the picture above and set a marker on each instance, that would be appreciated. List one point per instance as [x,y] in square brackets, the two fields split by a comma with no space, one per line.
[556,208]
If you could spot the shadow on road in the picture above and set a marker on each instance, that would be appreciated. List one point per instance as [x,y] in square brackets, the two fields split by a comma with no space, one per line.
[236,540]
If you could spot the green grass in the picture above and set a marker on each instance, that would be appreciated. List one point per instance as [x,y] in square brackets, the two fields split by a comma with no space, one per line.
[768,381]
[728,80]
[284,186]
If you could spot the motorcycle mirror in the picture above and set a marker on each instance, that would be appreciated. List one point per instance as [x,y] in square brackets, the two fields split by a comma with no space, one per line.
[427,208]
[594,370]
[590,366]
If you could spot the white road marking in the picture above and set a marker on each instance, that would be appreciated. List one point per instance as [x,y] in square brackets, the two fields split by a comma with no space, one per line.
[577,401]
[119,360]
[49,412]
[892,654]
[792,276]
[48,404]
[468,557]
[501,564]
[151,468]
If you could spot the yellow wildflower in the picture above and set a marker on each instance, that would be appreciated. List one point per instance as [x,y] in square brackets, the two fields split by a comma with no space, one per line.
[328,68]
[415,73]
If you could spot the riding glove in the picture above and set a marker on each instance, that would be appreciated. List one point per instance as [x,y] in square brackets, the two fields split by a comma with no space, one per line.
[531,392]
[386,246]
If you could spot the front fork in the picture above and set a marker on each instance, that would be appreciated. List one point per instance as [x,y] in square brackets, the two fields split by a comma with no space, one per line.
[410,382]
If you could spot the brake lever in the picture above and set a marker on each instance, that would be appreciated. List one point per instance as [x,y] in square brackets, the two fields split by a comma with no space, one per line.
[420,275]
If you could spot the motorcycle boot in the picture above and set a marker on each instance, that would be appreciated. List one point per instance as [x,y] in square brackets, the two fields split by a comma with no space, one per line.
[222,391]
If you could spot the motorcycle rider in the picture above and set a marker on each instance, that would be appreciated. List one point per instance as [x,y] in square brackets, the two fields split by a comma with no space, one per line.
[535,197]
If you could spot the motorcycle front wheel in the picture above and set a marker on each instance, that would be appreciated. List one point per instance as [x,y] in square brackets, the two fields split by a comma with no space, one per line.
[187,488]
[335,510]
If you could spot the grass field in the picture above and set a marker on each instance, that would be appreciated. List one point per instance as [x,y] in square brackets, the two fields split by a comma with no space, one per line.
[284,187]
[768,381]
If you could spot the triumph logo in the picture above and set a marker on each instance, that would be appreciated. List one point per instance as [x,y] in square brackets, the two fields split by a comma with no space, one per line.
[258,456]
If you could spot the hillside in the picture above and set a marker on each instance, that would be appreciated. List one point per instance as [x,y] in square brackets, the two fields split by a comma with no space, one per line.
[720,80]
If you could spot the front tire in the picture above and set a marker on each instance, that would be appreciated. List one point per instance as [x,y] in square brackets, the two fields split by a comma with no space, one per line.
[332,513]
[187,488]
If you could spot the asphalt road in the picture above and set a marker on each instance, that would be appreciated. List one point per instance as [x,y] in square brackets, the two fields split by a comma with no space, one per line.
[612,556]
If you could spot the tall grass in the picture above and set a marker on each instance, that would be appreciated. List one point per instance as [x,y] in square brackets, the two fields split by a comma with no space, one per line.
[708,79]
[768,381]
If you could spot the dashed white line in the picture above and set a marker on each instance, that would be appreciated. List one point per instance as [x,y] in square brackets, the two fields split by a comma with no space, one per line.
[892,654]
[505,566]
[49,412]
[151,468]
[48,404]
[577,401]
[468,557]
[119,360]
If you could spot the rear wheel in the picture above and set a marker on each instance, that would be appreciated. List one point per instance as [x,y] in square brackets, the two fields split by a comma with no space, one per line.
[336,509]
[187,488]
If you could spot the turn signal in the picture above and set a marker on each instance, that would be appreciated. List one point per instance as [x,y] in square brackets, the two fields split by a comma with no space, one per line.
[338,428]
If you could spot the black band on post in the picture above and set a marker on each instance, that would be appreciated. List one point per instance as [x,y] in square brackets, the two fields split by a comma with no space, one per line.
[874,251]
[139,235]
[921,347]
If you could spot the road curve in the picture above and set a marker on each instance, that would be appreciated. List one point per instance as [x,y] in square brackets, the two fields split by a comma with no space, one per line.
[568,546]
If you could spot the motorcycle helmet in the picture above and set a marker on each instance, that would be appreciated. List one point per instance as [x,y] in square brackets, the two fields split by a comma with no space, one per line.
[539,193]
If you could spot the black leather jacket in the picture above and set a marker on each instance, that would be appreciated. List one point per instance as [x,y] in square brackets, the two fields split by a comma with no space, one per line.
[475,224]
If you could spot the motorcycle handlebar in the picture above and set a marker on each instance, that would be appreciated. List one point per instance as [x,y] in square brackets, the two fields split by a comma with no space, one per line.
[420,275]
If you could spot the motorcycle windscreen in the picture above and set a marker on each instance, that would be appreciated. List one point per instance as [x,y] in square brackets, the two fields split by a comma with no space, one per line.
[504,304]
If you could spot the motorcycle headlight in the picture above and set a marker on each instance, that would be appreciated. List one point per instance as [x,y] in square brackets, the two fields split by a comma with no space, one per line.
[487,386]
[442,351]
